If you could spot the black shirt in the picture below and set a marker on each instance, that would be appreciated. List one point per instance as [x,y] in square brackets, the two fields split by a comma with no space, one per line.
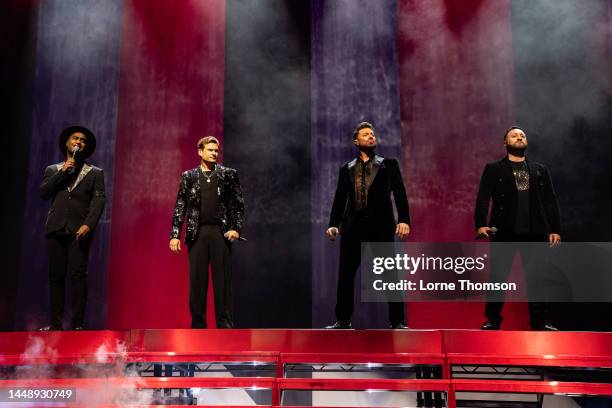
[521,176]
[209,200]
[363,176]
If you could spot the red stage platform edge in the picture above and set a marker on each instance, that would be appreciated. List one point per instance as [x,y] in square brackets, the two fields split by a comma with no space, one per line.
[440,348]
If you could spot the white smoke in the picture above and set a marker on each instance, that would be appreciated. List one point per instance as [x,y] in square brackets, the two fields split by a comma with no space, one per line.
[39,361]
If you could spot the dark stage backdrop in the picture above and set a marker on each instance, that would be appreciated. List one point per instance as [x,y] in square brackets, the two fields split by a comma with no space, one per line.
[18,29]
[282,83]
[267,137]
[563,64]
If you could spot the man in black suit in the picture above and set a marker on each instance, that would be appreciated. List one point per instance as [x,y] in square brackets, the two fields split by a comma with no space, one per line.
[362,212]
[76,189]
[524,209]
[211,198]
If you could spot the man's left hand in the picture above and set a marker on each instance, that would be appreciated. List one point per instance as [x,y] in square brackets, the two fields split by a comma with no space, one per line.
[83,232]
[402,230]
[232,235]
[554,239]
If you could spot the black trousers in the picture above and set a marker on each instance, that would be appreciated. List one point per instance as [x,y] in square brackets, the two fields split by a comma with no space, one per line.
[350,259]
[212,248]
[501,266]
[67,256]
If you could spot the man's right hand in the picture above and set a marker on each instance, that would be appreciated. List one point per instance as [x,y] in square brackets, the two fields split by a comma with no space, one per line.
[483,232]
[68,164]
[332,233]
[175,245]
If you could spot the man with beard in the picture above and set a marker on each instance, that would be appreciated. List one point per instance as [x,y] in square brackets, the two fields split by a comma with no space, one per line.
[362,212]
[76,189]
[211,198]
[524,209]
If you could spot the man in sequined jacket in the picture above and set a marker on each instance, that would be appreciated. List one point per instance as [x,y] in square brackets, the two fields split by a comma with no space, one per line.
[211,198]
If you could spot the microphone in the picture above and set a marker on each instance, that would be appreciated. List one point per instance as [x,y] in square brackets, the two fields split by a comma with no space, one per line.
[240,238]
[75,150]
[491,232]
[335,231]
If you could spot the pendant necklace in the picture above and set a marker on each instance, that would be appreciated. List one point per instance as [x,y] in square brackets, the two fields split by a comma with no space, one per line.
[208,177]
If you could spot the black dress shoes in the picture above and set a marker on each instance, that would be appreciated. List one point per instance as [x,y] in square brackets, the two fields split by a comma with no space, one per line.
[491,325]
[78,328]
[545,327]
[341,324]
[52,327]
[399,326]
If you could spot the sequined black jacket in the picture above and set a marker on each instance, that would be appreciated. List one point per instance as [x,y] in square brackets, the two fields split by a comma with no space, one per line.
[231,203]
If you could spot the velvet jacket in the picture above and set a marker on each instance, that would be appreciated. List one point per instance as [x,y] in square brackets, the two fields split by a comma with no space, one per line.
[386,179]
[77,199]
[498,186]
[188,200]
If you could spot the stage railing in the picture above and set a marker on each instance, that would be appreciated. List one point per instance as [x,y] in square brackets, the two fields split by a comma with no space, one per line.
[436,365]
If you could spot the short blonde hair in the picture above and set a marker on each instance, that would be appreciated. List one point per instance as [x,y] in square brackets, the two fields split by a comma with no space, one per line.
[206,140]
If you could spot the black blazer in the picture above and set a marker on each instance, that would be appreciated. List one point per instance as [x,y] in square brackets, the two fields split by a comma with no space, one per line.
[77,199]
[231,203]
[497,183]
[386,179]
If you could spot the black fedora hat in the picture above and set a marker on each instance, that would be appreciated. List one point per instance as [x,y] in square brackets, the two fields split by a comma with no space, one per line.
[90,144]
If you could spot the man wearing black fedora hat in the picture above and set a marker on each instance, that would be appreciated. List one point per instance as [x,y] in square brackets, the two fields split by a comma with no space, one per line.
[76,190]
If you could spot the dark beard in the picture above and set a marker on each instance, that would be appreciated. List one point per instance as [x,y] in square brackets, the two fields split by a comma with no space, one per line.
[368,150]
[520,152]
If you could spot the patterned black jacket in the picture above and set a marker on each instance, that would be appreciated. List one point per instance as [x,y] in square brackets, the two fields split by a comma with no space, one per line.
[77,198]
[497,185]
[231,203]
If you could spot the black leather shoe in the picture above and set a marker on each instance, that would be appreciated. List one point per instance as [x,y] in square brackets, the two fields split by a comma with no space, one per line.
[399,326]
[490,325]
[546,327]
[52,327]
[78,328]
[225,325]
[340,324]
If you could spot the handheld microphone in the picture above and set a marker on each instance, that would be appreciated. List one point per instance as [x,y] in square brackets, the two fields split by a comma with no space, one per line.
[241,238]
[74,151]
[491,232]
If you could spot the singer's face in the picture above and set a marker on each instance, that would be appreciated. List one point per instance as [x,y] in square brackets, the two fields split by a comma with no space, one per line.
[76,139]
[365,139]
[209,153]
[516,139]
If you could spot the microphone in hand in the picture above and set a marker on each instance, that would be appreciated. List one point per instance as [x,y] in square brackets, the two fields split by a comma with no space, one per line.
[71,162]
[332,233]
[490,233]
[240,238]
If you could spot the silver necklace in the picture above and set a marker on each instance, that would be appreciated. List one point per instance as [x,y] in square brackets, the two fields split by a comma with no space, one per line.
[208,177]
